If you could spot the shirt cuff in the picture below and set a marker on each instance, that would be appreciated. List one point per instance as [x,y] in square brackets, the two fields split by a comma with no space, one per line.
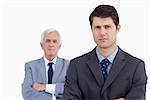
[50,88]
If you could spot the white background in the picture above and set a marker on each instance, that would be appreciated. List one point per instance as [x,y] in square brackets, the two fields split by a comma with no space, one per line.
[23,21]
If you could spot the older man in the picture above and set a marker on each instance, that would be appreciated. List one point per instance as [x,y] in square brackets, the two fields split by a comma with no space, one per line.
[44,77]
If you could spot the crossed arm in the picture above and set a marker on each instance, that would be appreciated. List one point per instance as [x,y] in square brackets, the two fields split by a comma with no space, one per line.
[35,91]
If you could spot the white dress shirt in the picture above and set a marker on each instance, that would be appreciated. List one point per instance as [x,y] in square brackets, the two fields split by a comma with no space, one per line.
[50,88]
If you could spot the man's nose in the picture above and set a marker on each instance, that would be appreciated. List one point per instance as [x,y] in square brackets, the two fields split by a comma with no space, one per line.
[102,31]
[51,44]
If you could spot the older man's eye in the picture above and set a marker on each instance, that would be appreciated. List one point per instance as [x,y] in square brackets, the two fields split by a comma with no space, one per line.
[54,41]
[47,41]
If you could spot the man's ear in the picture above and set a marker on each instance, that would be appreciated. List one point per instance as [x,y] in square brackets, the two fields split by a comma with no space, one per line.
[118,28]
[41,45]
[59,46]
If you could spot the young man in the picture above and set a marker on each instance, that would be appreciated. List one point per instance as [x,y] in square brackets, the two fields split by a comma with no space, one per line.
[107,72]
[45,77]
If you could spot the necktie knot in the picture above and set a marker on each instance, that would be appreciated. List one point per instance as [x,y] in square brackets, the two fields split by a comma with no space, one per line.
[50,64]
[104,65]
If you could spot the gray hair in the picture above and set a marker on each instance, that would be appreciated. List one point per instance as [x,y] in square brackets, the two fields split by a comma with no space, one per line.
[50,30]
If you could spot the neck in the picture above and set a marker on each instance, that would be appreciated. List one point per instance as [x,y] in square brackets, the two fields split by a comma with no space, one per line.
[107,51]
[50,57]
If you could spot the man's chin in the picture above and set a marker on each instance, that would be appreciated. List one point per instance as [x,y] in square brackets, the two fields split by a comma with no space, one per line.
[103,46]
[106,46]
[51,54]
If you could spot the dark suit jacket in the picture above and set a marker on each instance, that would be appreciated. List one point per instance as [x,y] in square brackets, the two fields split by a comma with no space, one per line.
[127,78]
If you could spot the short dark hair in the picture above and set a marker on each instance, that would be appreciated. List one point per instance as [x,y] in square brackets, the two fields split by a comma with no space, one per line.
[104,11]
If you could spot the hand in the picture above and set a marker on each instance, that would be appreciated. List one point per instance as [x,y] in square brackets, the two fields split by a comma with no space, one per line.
[39,87]
[120,99]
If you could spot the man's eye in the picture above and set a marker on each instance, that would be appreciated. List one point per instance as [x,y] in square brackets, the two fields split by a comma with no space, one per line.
[47,41]
[55,41]
[97,27]
[107,26]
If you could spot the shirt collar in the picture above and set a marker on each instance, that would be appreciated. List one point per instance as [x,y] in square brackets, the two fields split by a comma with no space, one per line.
[110,57]
[47,61]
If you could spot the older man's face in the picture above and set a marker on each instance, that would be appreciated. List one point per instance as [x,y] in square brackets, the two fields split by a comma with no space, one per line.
[51,44]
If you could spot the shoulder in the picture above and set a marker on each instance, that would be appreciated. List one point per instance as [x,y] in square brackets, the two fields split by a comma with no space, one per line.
[34,62]
[63,60]
[84,57]
[131,58]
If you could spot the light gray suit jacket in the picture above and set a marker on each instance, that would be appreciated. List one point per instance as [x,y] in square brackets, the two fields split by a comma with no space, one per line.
[35,71]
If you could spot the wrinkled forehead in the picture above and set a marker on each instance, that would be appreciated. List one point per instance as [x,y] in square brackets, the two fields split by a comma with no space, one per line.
[52,36]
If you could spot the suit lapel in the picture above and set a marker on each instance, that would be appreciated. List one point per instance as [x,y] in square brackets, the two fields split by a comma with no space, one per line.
[116,67]
[58,69]
[42,69]
[93,64]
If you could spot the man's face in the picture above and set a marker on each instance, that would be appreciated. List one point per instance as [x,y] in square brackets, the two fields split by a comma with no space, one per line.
[51,44]
[104,32]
